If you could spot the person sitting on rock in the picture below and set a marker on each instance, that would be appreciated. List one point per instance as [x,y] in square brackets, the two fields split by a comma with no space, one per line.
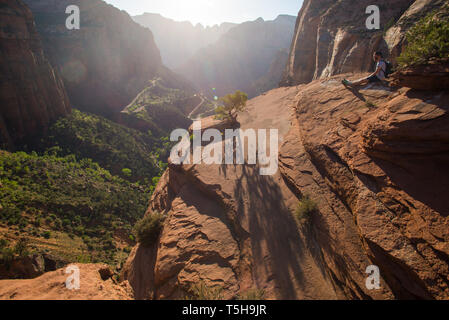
[377,76]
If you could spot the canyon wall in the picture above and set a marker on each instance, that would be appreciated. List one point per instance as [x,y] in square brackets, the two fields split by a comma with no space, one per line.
[105,63]
[31,92]
[331,36]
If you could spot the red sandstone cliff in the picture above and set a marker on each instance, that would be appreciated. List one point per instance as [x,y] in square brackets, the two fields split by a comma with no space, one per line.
[31,92]
[331,36]
[373,160]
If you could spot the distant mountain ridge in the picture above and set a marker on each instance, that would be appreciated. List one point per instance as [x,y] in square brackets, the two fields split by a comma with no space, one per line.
[168,33]
[241,58]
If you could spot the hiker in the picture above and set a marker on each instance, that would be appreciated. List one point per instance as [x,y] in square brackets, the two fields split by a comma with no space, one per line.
[378,76]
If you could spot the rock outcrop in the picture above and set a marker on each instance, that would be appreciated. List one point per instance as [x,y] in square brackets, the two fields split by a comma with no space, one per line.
[30,266]
[52,286]
[431,76]
[373,160]
[331,37]
[31,91]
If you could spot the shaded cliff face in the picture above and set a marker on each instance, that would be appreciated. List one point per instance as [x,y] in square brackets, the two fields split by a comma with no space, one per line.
[107,62]
[168,33]
[331,38]
[240,58]
[31,92]
[373,160]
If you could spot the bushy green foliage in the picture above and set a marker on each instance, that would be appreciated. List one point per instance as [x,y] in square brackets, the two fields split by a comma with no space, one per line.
[21,247]
[149,228]
[306,207]
[232,104]
[63,194]
[114,147]
[160,108]
[201,291]
[429,38]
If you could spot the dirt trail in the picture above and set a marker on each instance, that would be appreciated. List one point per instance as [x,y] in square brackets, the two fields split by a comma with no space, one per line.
[196,108]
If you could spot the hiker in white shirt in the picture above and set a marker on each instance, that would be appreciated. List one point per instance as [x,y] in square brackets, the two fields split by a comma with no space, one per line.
[377,76]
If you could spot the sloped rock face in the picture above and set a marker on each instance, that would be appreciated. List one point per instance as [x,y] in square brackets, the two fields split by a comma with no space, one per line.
[331,38]
[107,62]
[432,76]
[51,286]
[230,227]
[375,161]
[31,92]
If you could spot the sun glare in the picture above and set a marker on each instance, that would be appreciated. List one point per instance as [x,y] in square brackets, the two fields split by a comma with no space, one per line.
[206,12]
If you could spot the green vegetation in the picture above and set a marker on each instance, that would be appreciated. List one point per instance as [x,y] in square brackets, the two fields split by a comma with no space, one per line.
[149,228]
[370,104]
[233,103]
[201,291]
[126,152]
[306,207]
[253,294]
[427,39]
[47,196]
[160,109]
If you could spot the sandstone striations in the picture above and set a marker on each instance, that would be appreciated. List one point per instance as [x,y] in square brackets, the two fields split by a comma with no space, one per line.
[431,76]
[31,92]
[331,37]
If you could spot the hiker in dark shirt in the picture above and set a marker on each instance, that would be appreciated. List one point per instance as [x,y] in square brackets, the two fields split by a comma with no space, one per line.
[377,76]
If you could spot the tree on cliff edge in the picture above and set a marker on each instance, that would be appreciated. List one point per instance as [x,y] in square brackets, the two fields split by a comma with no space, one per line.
[232,104]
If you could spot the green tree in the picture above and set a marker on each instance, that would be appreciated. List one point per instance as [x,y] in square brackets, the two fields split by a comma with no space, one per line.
[427,39]
[127,172]
[232,104]
[148,228]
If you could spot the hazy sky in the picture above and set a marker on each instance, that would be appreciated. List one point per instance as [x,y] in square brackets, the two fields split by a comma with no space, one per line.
[210,12]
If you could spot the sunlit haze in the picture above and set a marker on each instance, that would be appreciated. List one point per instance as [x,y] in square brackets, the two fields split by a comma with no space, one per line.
[211,12]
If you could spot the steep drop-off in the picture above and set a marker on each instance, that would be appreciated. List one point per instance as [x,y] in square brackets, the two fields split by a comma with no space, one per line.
[31,92]
[331,36]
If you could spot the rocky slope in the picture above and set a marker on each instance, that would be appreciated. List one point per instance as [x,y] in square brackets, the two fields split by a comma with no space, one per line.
[51,286]
[108,61]
[240,57]
[374,162]
[331,37]
[167,34]
[31,91]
